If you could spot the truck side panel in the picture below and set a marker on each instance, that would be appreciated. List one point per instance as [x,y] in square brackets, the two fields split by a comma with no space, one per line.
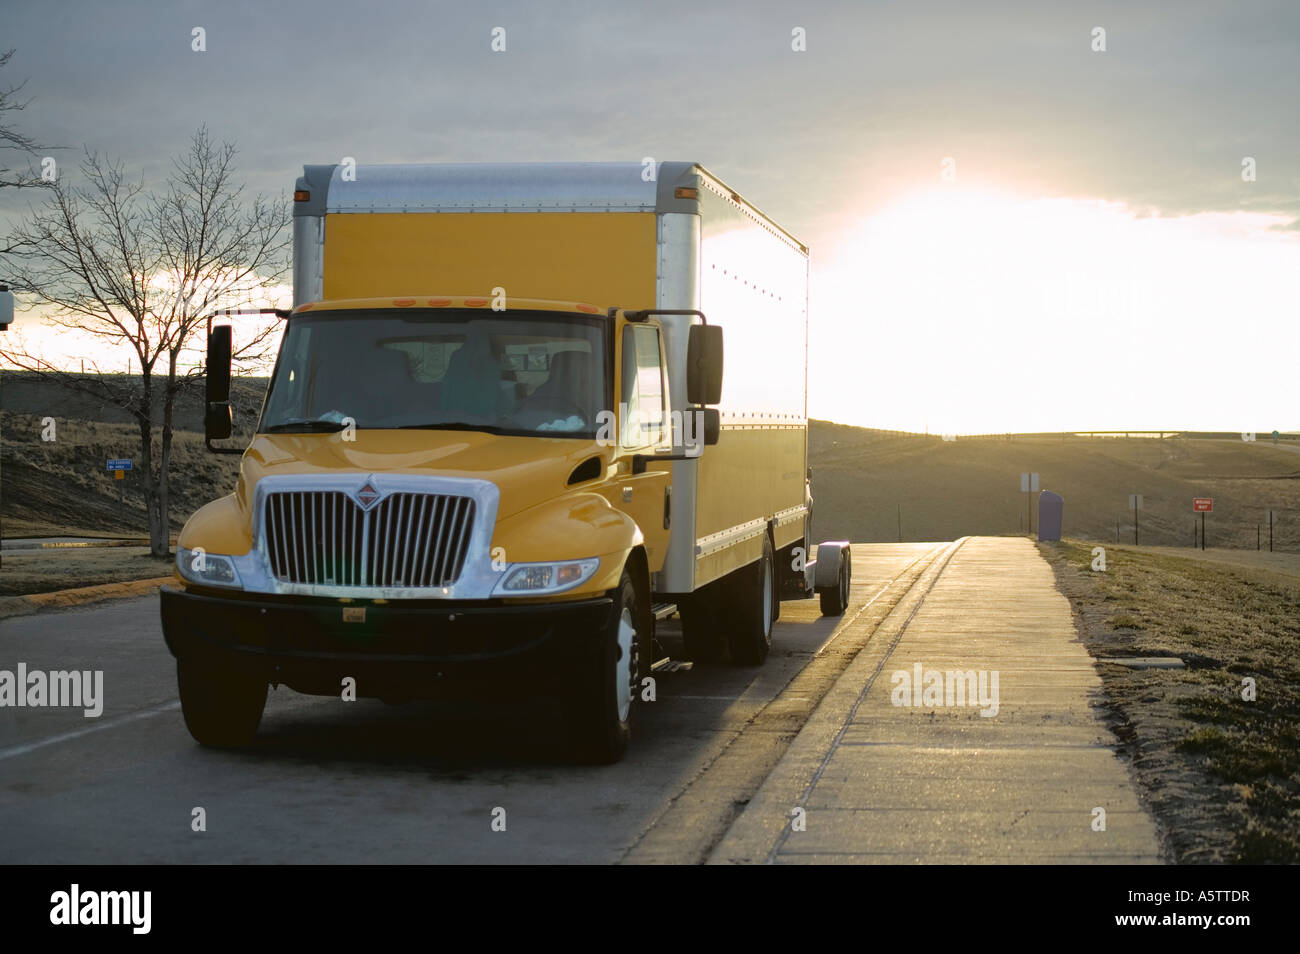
[753,282]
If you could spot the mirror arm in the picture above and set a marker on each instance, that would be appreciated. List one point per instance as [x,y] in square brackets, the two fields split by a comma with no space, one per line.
[278,312]
[647,312]
[639,461]
[222,450]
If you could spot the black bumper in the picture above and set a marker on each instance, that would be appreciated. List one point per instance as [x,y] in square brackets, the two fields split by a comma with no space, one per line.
[400,649]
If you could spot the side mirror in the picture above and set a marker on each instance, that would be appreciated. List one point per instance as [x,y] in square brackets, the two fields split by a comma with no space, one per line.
[701,430]
[704,365]
[712,422]
[6,307]
[217,418]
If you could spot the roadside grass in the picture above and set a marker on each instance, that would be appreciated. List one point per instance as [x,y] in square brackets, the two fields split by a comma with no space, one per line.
[63,487]
[1220,772]
[44,571]
[874,486]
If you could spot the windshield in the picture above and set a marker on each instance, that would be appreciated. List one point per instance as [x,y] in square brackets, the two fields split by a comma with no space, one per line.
[529,373]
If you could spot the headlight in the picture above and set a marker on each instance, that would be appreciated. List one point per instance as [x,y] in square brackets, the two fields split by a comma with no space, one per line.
[207,569]
[534,579]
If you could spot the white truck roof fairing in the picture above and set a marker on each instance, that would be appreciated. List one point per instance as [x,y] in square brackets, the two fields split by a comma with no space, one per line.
[512,187]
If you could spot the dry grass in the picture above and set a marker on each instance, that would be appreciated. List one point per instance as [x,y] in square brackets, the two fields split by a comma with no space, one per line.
[1221,774]
[948,489]
[62,487]
[44,571]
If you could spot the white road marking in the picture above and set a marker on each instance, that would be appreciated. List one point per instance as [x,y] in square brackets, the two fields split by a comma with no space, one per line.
[26,747]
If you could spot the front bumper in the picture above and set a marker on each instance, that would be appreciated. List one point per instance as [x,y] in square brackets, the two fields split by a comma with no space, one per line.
[411,648]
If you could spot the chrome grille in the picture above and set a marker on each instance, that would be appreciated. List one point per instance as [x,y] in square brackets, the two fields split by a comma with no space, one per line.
[326,538]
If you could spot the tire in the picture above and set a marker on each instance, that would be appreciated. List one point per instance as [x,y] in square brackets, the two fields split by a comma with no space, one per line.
[835,600]
[601,698]
[703,625]
[753,608]
[222,706]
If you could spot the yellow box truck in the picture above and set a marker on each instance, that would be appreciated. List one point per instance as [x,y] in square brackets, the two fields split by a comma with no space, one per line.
[498,447]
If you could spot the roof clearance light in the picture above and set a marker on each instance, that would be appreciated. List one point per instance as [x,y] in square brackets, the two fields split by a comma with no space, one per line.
[301,195]
[686,193]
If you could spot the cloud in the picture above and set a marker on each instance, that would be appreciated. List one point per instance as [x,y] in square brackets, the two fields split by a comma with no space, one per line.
[1012,90]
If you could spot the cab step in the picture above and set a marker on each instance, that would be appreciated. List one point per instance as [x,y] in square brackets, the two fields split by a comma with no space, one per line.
[668,664]
[662,611]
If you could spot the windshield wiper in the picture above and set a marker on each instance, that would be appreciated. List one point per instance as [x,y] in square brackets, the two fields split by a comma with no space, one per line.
[449,426]
[306,424]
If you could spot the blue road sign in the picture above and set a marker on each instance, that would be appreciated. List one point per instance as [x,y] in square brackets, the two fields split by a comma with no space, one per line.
[122,464]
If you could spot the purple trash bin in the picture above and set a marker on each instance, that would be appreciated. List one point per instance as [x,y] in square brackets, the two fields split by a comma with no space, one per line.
[1050,508]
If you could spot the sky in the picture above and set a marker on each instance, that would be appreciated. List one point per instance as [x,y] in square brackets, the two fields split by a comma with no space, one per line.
[1010,228]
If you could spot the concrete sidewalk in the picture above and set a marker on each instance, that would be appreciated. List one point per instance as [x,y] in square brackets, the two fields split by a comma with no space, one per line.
[940,783]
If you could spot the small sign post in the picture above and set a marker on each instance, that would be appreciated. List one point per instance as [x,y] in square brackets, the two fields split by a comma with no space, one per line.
[119,466]
[1271,520]
[1135,504]
[1202,505]
[1029,485]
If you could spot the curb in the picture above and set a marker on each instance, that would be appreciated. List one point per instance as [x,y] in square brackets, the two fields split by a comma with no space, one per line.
[35,602]
[758,830]
[77,544]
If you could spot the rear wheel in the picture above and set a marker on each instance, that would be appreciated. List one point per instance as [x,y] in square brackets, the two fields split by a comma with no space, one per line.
[222,706]
[754,608]
[835,600]
[599,703]
[703,624]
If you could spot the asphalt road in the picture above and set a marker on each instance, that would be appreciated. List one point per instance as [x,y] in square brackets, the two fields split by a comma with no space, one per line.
[332,781]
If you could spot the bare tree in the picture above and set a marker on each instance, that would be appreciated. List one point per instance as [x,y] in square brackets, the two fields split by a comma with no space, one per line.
[11,141]
[139,271]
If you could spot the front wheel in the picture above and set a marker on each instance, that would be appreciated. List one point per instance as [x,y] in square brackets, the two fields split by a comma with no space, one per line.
[598,705]
[222,707]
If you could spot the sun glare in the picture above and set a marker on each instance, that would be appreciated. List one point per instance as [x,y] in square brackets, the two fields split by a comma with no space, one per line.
[979,310]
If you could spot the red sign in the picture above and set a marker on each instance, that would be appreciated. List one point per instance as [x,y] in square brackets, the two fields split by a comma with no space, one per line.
[1202,505]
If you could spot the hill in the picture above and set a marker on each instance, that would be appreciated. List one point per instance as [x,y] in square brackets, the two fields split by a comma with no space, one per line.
[864,480]
[22,392]
[945,489]
[64,486]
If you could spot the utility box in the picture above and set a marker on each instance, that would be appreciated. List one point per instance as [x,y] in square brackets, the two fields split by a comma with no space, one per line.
[1050,509]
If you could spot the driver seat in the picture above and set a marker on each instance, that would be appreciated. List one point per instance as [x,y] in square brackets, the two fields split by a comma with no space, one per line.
[569,380]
